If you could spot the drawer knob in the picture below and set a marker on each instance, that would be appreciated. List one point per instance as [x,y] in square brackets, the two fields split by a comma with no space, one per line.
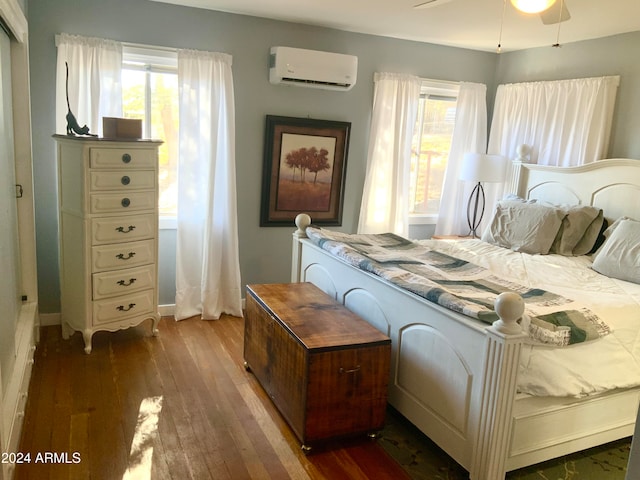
[122,308]
[124,283]
[129,229]
[349,370]
[122,257]
[125,180]
[125,202]
[126,158]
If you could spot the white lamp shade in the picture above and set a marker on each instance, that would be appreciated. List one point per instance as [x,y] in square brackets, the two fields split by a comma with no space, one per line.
[479,167]
[532,6]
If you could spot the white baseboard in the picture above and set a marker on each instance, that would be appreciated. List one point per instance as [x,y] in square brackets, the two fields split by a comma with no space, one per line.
[50,319]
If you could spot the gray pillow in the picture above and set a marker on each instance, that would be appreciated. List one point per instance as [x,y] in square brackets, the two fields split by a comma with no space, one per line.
[579,231]
[523,226]
[619,257]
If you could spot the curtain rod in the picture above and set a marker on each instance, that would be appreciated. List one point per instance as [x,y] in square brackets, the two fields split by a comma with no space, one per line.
[150,47]
[124,44]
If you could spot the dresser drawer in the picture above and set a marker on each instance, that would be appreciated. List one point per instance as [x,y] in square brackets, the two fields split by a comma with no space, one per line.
[123,282]
[122,180]
[126,228]
[122,255]
[123,158]
[122,202]
[120,308]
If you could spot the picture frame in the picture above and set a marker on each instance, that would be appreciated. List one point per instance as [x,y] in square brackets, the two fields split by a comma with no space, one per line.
[304,170]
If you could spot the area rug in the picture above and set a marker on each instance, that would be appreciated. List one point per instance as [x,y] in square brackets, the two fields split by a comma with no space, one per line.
[423,460]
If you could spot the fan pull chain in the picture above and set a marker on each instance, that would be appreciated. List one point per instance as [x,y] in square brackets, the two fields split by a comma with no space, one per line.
[504,8]
[557,44]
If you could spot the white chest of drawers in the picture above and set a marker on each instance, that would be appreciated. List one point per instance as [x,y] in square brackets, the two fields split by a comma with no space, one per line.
[108,231]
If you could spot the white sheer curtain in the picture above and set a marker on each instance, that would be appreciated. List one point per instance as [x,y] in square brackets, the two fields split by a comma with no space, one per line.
[95,88]
[566,122]
[207,259]
[385,200]
[469,136]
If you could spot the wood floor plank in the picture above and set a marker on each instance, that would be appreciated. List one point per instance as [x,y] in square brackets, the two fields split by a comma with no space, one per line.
[79,442]
[39,412]
[108,445]
[234,444]
[256,446]
[168,453]
[214,421]
[183,402]
[61,431]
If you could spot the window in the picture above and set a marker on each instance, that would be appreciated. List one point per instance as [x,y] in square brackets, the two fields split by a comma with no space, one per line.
[150,93]
[430,149]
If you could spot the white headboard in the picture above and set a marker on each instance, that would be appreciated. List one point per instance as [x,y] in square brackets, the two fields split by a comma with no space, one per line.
[612,185]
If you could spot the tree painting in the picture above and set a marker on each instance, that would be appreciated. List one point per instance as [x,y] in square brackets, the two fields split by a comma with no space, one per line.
[306,171]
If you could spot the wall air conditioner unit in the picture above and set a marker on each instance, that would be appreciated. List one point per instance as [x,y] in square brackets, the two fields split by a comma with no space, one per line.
[311,68]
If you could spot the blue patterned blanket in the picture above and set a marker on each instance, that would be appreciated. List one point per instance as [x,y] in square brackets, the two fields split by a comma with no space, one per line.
[461,286]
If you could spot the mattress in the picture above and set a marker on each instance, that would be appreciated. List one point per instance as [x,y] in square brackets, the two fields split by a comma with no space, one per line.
[589,368]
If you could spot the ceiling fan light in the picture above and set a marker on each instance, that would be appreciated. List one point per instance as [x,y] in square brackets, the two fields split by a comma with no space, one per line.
[532,6]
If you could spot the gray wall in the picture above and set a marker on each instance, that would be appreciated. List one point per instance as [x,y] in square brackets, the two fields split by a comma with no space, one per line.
[616,55]
[264,252]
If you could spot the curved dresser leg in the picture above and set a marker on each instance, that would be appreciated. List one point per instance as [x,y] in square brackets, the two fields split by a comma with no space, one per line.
[87,334]
[154,327]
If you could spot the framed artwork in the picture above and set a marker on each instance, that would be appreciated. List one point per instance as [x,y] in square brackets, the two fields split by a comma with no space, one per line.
[304,170]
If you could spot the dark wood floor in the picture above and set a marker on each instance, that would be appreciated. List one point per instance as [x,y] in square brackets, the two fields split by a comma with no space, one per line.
[178,406]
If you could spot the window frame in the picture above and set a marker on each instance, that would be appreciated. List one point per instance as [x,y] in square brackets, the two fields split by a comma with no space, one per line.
[151,59]
[443,89]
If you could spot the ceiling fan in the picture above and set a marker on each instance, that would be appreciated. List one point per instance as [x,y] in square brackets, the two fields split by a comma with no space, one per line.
[430,3]
[551,11]
[556,13]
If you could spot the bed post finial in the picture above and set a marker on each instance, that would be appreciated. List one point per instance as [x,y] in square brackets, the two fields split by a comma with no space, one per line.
[523,151]
[302,222]
[509,306]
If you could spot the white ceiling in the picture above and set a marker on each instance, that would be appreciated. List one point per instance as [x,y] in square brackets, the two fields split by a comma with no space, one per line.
[471,24]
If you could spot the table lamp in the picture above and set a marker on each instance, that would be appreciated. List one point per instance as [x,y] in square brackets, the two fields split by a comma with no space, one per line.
[480,168]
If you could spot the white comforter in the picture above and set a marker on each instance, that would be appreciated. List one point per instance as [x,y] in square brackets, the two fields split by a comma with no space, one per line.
[610,362]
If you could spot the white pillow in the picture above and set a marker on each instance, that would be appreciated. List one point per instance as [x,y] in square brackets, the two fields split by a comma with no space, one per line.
[619,257]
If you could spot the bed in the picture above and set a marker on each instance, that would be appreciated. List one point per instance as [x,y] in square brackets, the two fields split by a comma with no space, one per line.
[457,378]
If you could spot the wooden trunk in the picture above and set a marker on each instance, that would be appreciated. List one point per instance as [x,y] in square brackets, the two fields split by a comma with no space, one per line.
[325,368]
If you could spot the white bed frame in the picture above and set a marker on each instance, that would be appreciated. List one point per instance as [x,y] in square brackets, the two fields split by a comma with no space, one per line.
[454,377]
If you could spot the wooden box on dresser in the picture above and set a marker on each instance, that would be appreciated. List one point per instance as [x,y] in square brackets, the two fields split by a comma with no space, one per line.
[108,230]
[325,368]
